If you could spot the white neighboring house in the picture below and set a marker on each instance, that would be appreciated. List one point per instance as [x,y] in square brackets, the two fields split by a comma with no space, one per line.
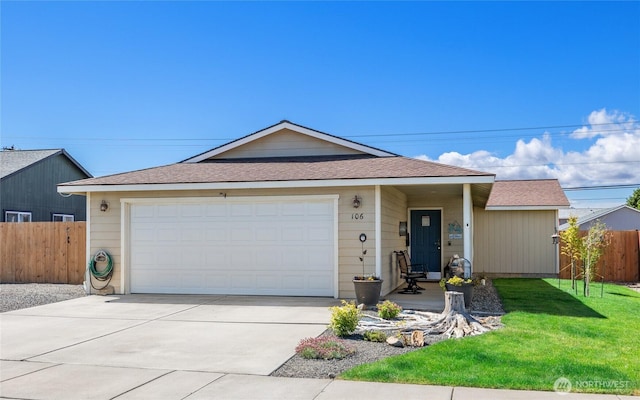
[620,218]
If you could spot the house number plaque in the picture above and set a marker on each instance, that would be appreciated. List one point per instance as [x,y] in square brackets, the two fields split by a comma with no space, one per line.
[357,216]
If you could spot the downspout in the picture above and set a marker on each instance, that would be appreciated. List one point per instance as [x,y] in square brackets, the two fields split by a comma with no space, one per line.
[378,230]
[125,208]
[467,222]
[87,234]
[557,247]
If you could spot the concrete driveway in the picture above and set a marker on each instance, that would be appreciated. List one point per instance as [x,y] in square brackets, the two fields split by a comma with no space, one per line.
[185,347]
[102,347]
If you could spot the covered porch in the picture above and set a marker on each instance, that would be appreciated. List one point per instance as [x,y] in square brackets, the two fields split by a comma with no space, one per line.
[432,222]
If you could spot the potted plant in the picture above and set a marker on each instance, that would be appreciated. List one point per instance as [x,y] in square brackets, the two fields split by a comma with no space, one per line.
[367,287]
[458,284]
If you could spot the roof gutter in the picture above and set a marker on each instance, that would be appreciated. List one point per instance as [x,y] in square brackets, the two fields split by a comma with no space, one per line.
[82,189]
[524,208]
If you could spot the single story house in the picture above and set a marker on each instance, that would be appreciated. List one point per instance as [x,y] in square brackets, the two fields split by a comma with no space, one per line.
[564,214]
[282,210]
[28,186]
[620,218]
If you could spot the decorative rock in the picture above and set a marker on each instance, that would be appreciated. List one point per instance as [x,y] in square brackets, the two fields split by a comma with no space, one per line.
[394,341]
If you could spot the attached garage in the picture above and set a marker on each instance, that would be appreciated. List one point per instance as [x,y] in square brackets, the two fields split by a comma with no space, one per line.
[260,215]
[251,245]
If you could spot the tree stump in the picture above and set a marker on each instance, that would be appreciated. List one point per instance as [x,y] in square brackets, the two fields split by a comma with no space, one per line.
[453,302]
[454,320]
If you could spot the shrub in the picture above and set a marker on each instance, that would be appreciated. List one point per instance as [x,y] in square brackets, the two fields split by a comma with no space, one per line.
[344,319]
[388,310]
[374,336]
[324,347]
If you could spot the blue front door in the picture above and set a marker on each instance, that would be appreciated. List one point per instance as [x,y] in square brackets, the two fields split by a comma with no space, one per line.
[426,235]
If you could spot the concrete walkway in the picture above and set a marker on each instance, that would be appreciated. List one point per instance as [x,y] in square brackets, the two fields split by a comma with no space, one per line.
[177,347]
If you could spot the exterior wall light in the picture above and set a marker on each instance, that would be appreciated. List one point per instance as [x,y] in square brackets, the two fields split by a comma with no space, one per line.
[357,201]
[555,238]
[104,206]
[402,228]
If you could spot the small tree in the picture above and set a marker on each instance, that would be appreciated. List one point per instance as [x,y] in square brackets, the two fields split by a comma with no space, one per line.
[584,251]
[634,199]
[593,245]
[572,247]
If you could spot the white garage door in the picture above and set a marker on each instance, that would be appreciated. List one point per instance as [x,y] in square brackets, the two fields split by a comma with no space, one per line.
[234,246]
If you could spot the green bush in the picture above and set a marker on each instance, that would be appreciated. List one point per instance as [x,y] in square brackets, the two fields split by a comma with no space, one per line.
[374,336]
[324,347]
[388,310]
[344,319]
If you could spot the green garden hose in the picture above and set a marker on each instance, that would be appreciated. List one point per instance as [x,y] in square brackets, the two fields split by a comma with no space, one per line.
[106,273]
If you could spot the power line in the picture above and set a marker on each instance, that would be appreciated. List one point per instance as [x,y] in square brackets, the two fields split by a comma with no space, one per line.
[492,130]
[397,134]
[602,187]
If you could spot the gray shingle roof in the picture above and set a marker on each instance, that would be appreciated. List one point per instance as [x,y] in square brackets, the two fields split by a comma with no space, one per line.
[12,161]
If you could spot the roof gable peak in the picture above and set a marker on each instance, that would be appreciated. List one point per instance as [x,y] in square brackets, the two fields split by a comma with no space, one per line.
[292,128]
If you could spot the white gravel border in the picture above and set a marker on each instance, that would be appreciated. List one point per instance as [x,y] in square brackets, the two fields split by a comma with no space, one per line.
[16,296]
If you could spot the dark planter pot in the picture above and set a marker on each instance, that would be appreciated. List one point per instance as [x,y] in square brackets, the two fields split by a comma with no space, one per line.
[367,292]
[466,290]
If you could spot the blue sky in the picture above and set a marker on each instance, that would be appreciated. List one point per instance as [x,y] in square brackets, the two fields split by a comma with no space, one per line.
[524,90]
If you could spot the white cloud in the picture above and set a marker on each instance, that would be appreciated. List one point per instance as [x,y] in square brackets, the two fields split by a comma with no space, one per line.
[613,155]
[604,123]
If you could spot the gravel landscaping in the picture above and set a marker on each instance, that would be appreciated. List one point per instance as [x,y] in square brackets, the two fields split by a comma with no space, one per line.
[17,296]
[485,301]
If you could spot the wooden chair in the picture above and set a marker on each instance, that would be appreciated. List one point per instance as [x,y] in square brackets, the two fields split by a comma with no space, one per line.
[407,273]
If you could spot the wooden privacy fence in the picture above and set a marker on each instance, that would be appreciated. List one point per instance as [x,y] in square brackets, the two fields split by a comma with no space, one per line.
[42,252]
[620,261]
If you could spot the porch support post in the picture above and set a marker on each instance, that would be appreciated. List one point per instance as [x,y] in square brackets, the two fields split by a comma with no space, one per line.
[467,230]
[378,230]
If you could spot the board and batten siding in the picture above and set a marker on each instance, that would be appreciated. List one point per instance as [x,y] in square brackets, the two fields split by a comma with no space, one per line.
[105,230]
[393,210]
[503,247]
[33,190]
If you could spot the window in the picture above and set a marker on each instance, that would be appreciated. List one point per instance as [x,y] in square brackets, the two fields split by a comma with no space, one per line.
[17,216]
[63,218]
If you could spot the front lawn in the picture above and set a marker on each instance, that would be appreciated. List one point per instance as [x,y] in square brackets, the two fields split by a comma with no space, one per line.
[549,333]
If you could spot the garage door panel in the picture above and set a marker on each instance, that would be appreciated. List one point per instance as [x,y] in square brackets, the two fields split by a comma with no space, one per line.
[241,234]
[318,281]
[319,234]
[267,234]
[268,247]
[319,209]
[267,209]
[165,234]
[167,211]
[240,210]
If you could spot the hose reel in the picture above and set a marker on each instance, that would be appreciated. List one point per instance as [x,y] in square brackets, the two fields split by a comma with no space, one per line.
[101,275]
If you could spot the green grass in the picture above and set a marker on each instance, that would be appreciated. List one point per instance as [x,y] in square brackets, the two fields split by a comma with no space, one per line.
[549,333]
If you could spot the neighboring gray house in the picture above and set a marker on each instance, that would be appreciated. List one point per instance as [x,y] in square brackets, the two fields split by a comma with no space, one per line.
[28,180]
[564,214]
[620,218]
